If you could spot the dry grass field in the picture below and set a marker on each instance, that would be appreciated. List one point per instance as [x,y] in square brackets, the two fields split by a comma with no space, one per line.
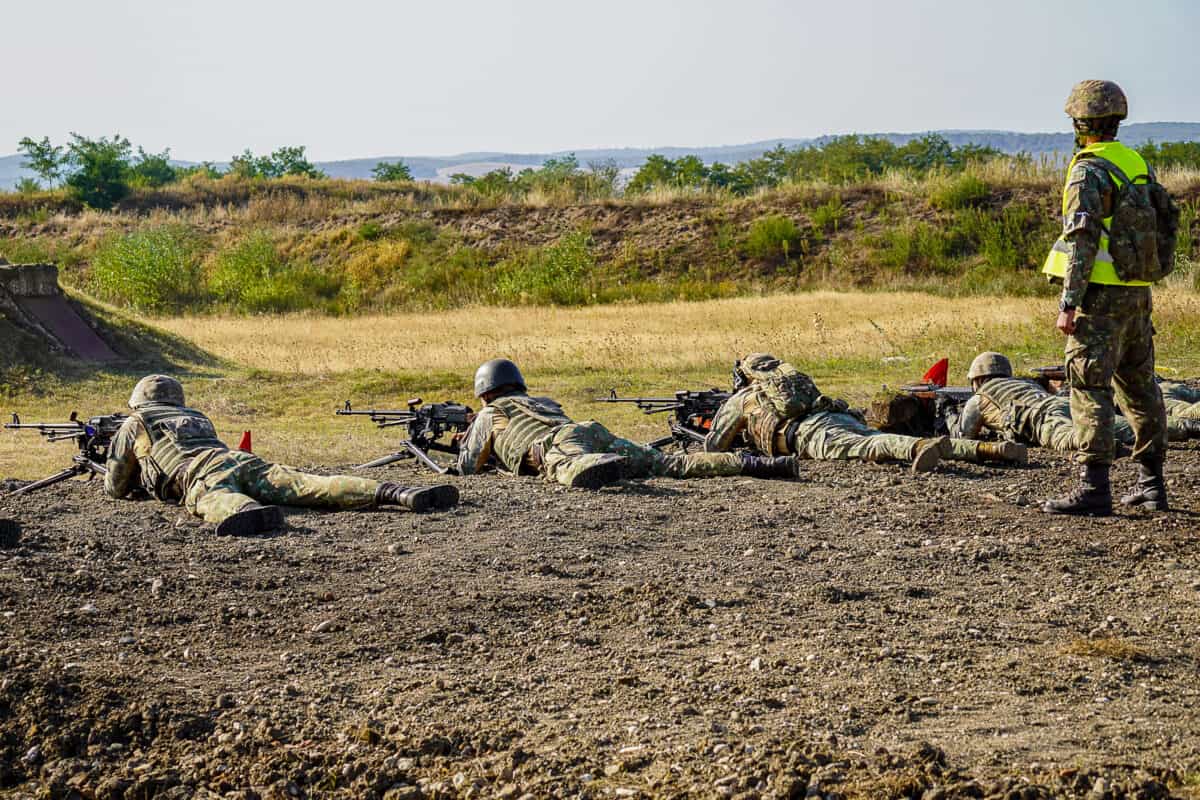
[282,376]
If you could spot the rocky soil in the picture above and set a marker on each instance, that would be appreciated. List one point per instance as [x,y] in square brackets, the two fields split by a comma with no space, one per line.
[860,633]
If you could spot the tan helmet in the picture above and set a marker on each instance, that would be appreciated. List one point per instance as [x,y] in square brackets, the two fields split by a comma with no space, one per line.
[990,365]
[157,389]
[1092,99]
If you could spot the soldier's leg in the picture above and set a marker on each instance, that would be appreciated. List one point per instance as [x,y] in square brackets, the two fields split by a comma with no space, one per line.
[218,494]
[1181,410]
[1091,356]
[1057,432]
[281,485]
[578,456]
[840,437]
[1141,399]
[976,452]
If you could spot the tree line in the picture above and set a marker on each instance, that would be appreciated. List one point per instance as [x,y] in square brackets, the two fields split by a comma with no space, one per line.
[100,172]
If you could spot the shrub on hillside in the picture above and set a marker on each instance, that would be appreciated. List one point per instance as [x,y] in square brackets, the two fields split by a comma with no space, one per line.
[252,275]
[964,191]
[550,275]
[773,238]
[154,269]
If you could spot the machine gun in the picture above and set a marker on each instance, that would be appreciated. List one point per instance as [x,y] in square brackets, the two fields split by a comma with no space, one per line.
[92,438]
[426,425]
[691,414]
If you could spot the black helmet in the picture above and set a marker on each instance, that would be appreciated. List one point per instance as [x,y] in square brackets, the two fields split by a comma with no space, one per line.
[498,372]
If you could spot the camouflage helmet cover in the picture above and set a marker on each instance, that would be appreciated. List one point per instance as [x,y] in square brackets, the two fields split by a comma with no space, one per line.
[758,362]
[157,389]
[990,365]
[496,373]
[1092,99]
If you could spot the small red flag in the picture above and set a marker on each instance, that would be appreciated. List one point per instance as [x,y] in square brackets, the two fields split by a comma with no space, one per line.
[244,445]
[939,373]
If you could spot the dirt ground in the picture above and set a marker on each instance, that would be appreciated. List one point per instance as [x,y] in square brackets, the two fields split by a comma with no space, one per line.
[859,633]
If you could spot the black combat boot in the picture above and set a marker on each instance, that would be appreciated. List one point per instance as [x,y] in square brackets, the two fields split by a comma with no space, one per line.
[416,498]
[1092,497]
[770,466]
[601,471]
[1150,491]
[250,519]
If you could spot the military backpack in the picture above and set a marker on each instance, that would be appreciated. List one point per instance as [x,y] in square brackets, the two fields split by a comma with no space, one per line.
[1144,226]
[791,393]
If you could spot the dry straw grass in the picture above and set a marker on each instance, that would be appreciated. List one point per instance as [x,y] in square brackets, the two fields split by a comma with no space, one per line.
[1108,647]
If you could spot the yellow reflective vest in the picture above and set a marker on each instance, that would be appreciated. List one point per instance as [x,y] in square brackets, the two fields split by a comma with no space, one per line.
[1103,270]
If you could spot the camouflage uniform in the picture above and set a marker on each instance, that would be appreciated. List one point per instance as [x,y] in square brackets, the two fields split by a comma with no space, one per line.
[1113,343]
[827,433]
[1022,411]
[208,478]
[532,435]
[1182,400]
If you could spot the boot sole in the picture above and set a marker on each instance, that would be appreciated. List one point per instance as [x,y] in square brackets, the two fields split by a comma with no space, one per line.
[251,521]
[1148,505]
[444,496]
[1019,455]
[597,475]
[928,458]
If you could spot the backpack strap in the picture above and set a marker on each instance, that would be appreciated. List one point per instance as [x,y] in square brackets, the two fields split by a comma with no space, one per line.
[1118,173]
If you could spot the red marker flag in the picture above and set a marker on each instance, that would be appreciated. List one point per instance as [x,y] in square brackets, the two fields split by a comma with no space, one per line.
[938,374]
[244,444]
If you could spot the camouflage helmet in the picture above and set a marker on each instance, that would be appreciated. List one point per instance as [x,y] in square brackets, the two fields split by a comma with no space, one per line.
[496,373]
[990,365]
[757,362]
[1092,99]
[157,389]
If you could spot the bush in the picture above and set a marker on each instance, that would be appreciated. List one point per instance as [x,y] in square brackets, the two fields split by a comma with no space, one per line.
[773,238]
[552,275]
[253,276]
[154,269]
[968,190]
[101,170]
[394,171]
[828,215]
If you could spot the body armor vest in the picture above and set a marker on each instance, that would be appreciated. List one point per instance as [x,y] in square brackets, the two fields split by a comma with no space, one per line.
[176,435]
[762,422]
[530,420]
[1017,400]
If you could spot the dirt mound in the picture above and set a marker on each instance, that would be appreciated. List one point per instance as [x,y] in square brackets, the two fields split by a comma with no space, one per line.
[734,638]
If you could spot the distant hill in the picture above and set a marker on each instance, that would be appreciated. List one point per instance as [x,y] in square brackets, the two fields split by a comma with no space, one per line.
[440,168]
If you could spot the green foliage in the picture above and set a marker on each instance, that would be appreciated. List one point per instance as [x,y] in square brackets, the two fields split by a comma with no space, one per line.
[284,161]
[27,186]
[773,238]
[153,169]
[1172,154]
[153,269]
[370,231]
[964,191]
[393,171]
[917,248]
[253,276]
[828,215]
[551,275]
[100,170]
[43,158]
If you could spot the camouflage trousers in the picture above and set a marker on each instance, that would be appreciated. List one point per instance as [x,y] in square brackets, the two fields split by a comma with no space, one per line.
[576,446]
[1180,409]
[220,482]
[1112,350]
[830,436]
[1051,427]
[1182,401]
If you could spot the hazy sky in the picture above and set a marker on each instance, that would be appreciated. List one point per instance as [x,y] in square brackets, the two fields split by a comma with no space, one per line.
[359,78]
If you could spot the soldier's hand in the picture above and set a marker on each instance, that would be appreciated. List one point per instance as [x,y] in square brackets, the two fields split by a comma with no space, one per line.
[1066,321]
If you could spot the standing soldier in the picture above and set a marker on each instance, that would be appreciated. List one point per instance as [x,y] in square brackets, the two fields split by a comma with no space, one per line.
[173,453]
[1117,223]
[532,436]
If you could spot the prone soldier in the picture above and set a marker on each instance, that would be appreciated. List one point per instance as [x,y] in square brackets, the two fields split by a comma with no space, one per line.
[533,436]
[781,412]
[173,453]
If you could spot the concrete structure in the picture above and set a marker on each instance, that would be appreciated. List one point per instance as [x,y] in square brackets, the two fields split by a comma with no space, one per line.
[31,299]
